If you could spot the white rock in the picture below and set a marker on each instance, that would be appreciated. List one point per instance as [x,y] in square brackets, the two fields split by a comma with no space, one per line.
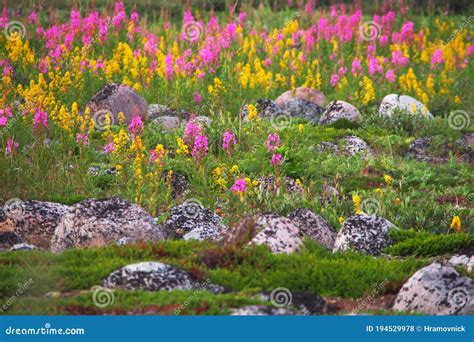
[392,102]
[337,110]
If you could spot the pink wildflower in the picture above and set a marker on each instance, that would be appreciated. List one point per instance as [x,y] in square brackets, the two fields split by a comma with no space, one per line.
[239,186]
[136,126]
[109,148]
[228,140]
[82,138]
[191,131]
[390,76]
[277,159]
[41,119]
[273,141]
[12,145]
[200,148]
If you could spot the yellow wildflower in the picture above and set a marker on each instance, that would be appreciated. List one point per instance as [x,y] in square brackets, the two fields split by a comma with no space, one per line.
[456,224]
[388,179]
[252,112]
[341,219]
[234,169]
[301,128]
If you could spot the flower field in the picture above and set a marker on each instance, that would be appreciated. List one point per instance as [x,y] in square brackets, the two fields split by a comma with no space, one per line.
[321,151]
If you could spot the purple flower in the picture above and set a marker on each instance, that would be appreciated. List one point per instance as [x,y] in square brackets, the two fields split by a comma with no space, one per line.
[200,147]
[273,141]
[136,125]
[240,185]
[227,140]
[109,148]
[277,159]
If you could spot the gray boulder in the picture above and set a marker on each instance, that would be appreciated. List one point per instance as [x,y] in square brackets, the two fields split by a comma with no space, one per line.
[364,233]
[337,110]
[113,99]
[156,276]
[313,226]
[437,290]
[95,223]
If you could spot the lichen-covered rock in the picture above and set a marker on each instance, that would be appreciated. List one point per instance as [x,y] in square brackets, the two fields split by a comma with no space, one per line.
[167,123]
[190,220]
[264,310]
[348,146]
[156,276]
[313,226]
[299,108]
[393,102]
[464,261]
[268,108]
[8,239]
[304,303]
[337,110]
[179,185]
[269,183]
[279,233]
[33,221]
[437,290]
[95,223]
[23,247]
[202,121]
[98,170]
[355,146]
[115,98]
[302,93]
[423,150]
[155,111]
[364,233]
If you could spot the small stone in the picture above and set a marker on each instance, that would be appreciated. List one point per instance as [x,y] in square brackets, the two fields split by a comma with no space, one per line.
[23,247]
[337,110]
[364,233]
[263,310]
[167,123]
[190,220]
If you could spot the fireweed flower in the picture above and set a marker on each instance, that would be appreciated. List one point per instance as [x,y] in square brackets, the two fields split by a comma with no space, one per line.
[191,131]
[273,141]
[228,140]
[239,186]
[109,148]
[12,145]
[136,125]
[200,147]
[41,119]
[82,138]
[277,159]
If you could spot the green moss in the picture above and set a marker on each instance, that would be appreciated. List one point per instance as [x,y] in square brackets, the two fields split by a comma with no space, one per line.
[410,242]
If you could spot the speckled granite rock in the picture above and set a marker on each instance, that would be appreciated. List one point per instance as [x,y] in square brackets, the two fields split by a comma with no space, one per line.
[437,290]
[190,220]
[364,233]
[156,276]
[302,93]
[268,183]
[337,110]
[155,111]
[348,146]
[95,223]
[393,102]
[354,145]
[277,232]
[167,123]
[304,303]
[464,261]
[299,108]
[33,221]
[421,150]
[263,310]
[313,226]
[115,98]
[23,247]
